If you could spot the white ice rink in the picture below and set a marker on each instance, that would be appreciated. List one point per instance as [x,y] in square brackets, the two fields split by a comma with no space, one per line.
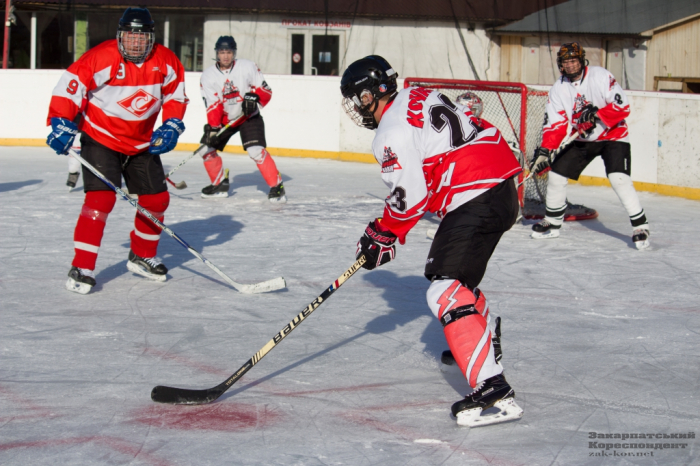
[597,336]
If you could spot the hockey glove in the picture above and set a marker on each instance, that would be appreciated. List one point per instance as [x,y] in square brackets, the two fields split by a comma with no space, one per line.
[164,139]
[61,138]
[377,244]
[541,161]
[586,119]
[210,136]
[250,103]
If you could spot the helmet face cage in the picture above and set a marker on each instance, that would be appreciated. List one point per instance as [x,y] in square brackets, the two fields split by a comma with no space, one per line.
[225,43]
[139,45]
[361,109]
[567,52]
[472,102]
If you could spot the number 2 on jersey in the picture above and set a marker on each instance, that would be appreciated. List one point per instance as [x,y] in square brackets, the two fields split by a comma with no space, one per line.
[446,115]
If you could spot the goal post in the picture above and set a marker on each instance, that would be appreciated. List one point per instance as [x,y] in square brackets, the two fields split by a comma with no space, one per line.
[518,112]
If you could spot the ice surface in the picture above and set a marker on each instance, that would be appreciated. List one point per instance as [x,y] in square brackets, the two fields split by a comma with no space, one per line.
[597,336]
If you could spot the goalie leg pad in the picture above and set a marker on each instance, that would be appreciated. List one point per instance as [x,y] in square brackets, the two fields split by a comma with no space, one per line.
[90,227]
[146,234]
[466,330]
[214,166]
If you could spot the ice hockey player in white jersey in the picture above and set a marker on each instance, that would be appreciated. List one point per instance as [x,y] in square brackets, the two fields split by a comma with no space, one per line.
[590,100]
[434,158]
[233,90]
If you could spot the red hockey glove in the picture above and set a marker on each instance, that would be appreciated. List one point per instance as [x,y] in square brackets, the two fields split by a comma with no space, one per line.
[586,119]
[377,244]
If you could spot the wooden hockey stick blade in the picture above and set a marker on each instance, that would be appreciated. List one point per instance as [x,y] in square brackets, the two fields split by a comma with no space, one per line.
[264,287]
[185,396]
[178,185]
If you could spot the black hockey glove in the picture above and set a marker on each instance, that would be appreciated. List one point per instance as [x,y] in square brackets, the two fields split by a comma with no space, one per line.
[377,244]
[250,103]
[587,119]
[209,138]
[541,161]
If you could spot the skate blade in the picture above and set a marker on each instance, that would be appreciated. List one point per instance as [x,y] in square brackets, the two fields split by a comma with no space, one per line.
[278,200]
[140,271]
[214,196]
[545,235]
[430,234]
[509,411]
[642,244]
[77,287]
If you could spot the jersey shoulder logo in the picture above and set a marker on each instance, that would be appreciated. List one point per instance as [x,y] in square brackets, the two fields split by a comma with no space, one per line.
[138,103]
[390,161]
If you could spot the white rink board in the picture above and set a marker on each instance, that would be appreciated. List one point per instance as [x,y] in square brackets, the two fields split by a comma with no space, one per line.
[597,336]
[305,114]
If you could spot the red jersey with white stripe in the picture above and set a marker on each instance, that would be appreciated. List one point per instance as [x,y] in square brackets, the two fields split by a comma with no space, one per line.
[120,100]
[598,87]
[223,91]
[434,159]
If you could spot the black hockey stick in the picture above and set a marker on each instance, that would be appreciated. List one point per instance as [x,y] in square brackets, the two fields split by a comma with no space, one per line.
[263,287]
[200,151]
[184,396]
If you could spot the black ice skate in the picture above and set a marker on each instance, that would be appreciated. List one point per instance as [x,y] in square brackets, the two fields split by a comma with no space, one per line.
[277,194]
[448,360]
[544,230]
[149,267]
[640,238]
[219,190]
[72,180]
[491,393]
[80,280]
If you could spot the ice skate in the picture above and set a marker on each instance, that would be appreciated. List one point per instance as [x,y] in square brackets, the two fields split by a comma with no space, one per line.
[149,267]
[491,393]
[219,190]
[72,180]
[430,234]
[80,280]
[447,360]
[640,238]
[277,194]
[545,230]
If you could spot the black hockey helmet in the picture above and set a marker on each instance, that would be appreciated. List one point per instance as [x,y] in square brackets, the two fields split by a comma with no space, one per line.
[225,43]
[567,52]
[364,82]
[136,21]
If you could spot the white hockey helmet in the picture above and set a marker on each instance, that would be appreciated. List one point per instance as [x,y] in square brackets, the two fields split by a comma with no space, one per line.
[471,101]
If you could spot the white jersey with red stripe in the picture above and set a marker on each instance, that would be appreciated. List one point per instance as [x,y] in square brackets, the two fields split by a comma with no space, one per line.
[598,87]
[434,159]
[120,100]
[223,90]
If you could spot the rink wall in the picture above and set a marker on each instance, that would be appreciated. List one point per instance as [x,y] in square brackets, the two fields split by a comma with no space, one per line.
[305,119]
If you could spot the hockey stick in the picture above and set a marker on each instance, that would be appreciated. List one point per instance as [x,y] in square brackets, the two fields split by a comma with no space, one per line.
[185,396]
[263,287]
[201,150]
[568,140]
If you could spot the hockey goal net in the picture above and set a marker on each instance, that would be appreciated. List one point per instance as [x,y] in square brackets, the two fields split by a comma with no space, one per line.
[518,113]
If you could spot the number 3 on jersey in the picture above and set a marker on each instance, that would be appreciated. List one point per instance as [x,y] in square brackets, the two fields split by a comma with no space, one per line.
[121,74]
[398,199]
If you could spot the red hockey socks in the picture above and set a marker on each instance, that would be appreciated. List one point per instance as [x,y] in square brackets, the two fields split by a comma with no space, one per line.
[90,227]
[266,165]
[463,315]
[145,235]
[214,166]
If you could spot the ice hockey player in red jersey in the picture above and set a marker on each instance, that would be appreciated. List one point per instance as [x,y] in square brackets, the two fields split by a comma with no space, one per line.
[119,88]
[590,100]
[435,159]
[233,90]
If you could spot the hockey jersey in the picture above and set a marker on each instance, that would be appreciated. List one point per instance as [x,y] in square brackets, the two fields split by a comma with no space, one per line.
[434,158]
[598,87]
[120,100]
[223,91]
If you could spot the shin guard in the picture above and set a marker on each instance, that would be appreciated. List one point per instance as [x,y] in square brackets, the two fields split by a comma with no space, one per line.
[146,234]
[90,227]
[267,166]
[461,313]
[214,166]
